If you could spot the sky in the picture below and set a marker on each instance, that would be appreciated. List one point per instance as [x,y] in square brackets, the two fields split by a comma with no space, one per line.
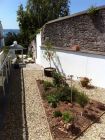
[8,9]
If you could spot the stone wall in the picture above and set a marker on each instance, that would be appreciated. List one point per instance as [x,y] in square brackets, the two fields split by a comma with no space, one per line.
[80,29]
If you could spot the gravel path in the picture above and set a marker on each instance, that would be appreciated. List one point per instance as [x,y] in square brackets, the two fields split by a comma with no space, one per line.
[38,128]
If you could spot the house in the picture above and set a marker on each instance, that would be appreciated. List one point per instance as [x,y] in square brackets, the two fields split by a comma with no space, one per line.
[82,31]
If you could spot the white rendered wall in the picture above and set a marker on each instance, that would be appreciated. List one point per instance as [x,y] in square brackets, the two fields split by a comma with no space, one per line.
[79,65]
[38,49]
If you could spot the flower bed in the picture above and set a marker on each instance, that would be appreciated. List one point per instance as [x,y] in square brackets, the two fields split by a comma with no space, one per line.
[68,120]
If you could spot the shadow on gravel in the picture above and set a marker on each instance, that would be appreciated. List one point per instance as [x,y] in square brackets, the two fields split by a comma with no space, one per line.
[13,124]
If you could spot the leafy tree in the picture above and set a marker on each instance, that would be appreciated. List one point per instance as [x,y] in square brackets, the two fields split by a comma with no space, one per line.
[24,23]
[45,10]
[9,38]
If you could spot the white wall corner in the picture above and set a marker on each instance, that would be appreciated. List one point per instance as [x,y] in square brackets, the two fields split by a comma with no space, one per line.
[38,48]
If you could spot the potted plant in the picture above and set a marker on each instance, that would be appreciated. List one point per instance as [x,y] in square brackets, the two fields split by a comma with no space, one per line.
[49,55]
[84,81]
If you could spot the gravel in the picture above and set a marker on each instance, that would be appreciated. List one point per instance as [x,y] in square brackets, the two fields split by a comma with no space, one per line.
[38,127]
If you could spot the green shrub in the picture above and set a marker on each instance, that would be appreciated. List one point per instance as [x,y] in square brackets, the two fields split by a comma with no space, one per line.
[64,94]
[52,100]
[82,99]
[58,79]
[92,11]
[67,117]
[47,85]
[57,114]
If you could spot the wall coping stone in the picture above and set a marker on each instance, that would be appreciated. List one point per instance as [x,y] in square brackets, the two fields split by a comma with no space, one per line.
[73,15]
[81,51]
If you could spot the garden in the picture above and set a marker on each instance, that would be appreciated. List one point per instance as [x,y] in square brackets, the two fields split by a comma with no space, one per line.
[69,111]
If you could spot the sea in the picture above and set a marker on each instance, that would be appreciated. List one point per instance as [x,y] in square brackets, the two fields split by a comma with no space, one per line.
[5,31]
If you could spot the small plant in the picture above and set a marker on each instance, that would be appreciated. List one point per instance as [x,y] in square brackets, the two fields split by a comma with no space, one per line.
[64,94]
[47,84]
[67,117]
[92,11]
[57,114]
[58,79]
[49,51]
[82,99]
[52,100]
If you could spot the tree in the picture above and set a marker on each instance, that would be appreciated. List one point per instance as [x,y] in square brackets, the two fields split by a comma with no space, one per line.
[49,52]
[37,13]
[45,10]
[24,23]
[9,38]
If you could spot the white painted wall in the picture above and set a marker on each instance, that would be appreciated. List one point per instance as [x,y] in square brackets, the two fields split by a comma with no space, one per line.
[80,65]
[38,49]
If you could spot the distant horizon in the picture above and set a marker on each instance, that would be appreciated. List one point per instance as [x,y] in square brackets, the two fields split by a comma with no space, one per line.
[10,29]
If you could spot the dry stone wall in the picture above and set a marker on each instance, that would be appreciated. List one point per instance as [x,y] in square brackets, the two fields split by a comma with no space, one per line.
[83,30]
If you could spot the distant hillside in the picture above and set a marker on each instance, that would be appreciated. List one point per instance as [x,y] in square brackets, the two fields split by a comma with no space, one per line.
[5,31]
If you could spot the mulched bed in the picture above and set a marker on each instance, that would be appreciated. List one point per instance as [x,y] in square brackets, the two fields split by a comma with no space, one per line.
[84,117]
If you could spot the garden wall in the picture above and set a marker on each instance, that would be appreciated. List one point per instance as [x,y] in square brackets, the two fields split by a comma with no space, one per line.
[79,64]
[78,29]
[74,63]
[82,30]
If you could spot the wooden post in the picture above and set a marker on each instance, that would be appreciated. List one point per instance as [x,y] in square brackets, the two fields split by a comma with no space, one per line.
[71,77]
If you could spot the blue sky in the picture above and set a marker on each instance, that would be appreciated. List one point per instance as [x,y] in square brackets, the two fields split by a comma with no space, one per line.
[8,10]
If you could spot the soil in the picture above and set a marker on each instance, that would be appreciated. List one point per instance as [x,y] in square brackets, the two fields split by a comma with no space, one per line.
[83,117]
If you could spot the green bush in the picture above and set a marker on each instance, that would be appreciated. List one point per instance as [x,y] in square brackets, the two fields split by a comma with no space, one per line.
[82,99]
[57,114]
[52,100]
[63,94]
[47,85]
[58,79]
[67,117]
